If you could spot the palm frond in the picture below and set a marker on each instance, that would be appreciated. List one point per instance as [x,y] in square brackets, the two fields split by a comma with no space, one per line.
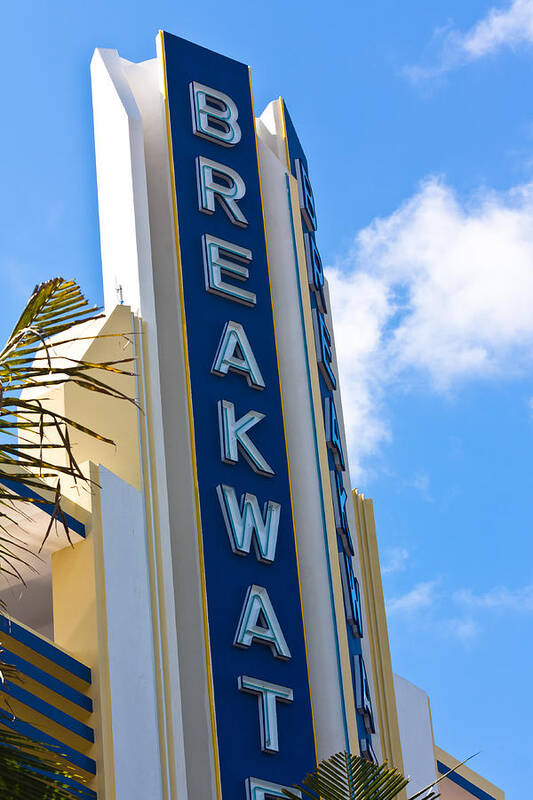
[34,358]
[29,772]
[347,777]
[55,306]
[423,793]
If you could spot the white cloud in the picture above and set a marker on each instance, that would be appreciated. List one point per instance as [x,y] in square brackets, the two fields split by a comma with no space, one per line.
[501,27]
[509,26]
[441,290]
[464,629]
[422,596]
[430,605]
[420,482]
[499,599]
[396,560]
[361,309]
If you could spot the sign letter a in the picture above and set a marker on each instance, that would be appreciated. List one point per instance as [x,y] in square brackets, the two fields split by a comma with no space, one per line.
[235,353]
[259,623]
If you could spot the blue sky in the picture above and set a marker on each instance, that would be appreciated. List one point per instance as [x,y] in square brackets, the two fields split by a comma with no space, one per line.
[417,120]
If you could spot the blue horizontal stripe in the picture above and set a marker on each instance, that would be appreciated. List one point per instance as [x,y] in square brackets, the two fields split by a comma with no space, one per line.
[44,648]
[468,786]
[47,710]
[54,745]
[78,790]
[25,491]
[45,679]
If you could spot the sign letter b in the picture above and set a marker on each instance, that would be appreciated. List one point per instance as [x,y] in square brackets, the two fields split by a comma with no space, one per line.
[214,115]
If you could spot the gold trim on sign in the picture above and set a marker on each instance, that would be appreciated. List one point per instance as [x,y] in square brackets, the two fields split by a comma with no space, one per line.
[191,431]
[284,133]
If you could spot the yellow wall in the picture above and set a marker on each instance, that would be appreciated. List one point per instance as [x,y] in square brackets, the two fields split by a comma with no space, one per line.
[40,719]
[111,418]
[451,791]
[78,572]
[80,627]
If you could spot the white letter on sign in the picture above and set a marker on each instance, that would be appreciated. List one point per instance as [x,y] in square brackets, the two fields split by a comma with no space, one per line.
[220,258]
[235,353]
[233,436]
[242,523]
[267,694]
[214,115]
[216,181]
[257,789]
[258,609]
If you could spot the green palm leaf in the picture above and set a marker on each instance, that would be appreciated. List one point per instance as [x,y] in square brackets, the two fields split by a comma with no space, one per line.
[347,777]
[29,772]
[30,433]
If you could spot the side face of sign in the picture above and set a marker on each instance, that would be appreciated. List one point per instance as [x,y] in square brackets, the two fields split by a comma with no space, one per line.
[337,460]
[260,698]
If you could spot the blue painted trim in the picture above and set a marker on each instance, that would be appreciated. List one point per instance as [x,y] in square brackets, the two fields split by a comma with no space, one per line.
[465,784]
[317,458]
[77,789]
[44,648]
[73,524]
[47,710]
[54,745]
[80,791]
[45,679]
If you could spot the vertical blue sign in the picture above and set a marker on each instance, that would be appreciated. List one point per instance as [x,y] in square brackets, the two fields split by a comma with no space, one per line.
[336,458]
[262,704]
